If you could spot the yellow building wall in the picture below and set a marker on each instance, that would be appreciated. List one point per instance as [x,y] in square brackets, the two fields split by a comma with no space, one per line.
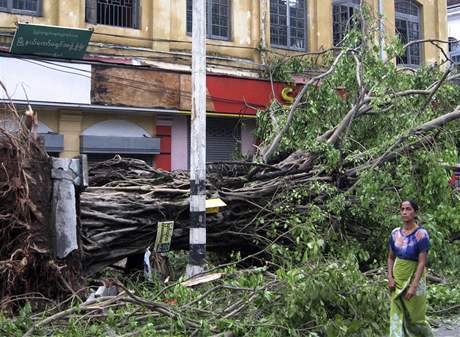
[49,118]
[162,35]
[163,28]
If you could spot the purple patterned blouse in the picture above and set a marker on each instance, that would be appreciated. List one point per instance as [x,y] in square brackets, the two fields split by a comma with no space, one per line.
[410,246]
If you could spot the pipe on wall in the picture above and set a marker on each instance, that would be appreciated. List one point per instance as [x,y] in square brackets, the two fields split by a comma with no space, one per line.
[381,30]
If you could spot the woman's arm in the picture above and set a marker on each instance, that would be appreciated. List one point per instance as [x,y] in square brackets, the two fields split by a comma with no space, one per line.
[418,275]
[390,264]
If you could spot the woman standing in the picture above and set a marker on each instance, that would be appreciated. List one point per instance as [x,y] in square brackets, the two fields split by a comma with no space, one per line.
[407,256]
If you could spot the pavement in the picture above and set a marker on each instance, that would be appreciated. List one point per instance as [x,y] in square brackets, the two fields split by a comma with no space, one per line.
[448,332]
[449,328]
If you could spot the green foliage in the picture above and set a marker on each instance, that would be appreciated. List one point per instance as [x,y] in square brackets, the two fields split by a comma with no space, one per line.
[364,217]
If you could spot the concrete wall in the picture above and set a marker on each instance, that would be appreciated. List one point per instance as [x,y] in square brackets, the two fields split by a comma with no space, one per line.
[163,28]
[454,22]
[179,147]
[46,81]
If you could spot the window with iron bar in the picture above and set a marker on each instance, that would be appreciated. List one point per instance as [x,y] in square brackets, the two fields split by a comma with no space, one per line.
[407,24]
[288,24]
[343,18]
[25,7]
[119,13]
[217,19]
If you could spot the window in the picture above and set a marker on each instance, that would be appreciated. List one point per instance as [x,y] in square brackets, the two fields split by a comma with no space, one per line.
[408,29]
[217,19]
[288,24]
[120,13]
[343,20]
[27,7]
[454,50]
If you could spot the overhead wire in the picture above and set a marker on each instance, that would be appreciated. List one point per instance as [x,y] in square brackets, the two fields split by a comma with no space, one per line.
[148,39]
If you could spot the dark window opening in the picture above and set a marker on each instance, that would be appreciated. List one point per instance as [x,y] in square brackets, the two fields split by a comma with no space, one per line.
[408,29]
[120,13]
[26,7]
[217,19]
[288,24]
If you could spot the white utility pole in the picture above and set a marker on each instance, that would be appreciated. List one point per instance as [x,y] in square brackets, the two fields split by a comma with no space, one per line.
[198,142]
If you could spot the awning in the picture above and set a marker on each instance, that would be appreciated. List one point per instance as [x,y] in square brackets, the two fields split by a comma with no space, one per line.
[111,144]
[53,142]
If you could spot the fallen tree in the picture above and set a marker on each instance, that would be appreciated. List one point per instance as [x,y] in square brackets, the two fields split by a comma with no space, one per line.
[127,198]
[322,148]
[26,228]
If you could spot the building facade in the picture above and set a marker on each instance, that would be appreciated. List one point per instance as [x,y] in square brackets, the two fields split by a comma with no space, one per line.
[131,93]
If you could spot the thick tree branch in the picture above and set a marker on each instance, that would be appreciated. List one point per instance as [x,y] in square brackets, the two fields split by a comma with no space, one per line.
[274,144]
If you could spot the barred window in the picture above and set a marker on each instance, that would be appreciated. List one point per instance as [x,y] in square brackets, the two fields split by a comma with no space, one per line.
[288,24]
[120,13]
[408,29]
[343,12]
[217,19]
[26,7]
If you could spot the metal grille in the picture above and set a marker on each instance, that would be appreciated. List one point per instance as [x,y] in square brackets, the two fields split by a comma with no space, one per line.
[407,7]
[217,19]
[408,29]
[120,13]
[31,7]
[343,20]
[288,24]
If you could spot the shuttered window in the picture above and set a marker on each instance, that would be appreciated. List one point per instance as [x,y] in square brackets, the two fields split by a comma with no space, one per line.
[223,139]
[26,7]
[120,13]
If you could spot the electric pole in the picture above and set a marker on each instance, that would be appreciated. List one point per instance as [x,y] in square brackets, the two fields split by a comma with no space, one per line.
[198,142]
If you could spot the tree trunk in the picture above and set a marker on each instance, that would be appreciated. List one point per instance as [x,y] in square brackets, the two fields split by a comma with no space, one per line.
[127,198]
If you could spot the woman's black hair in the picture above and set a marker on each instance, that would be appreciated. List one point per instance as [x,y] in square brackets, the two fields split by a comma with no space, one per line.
[412,203]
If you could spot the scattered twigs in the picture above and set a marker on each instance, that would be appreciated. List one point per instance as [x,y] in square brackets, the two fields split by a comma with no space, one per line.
[447,310]
[88,306]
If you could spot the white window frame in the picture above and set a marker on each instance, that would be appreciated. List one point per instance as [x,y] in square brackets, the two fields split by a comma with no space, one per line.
[9,9]
[350,4]
[288,29]
[209,23]
[410,19]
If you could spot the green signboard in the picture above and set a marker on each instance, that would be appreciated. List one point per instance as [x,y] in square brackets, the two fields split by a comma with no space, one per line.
[52,41]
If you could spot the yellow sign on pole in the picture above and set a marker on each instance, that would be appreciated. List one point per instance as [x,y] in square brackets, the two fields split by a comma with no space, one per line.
[214,205]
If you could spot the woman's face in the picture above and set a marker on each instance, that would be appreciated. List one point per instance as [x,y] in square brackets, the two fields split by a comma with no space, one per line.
[407,212]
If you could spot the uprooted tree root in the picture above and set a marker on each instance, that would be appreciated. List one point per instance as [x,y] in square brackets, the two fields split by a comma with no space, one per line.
[27,265]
